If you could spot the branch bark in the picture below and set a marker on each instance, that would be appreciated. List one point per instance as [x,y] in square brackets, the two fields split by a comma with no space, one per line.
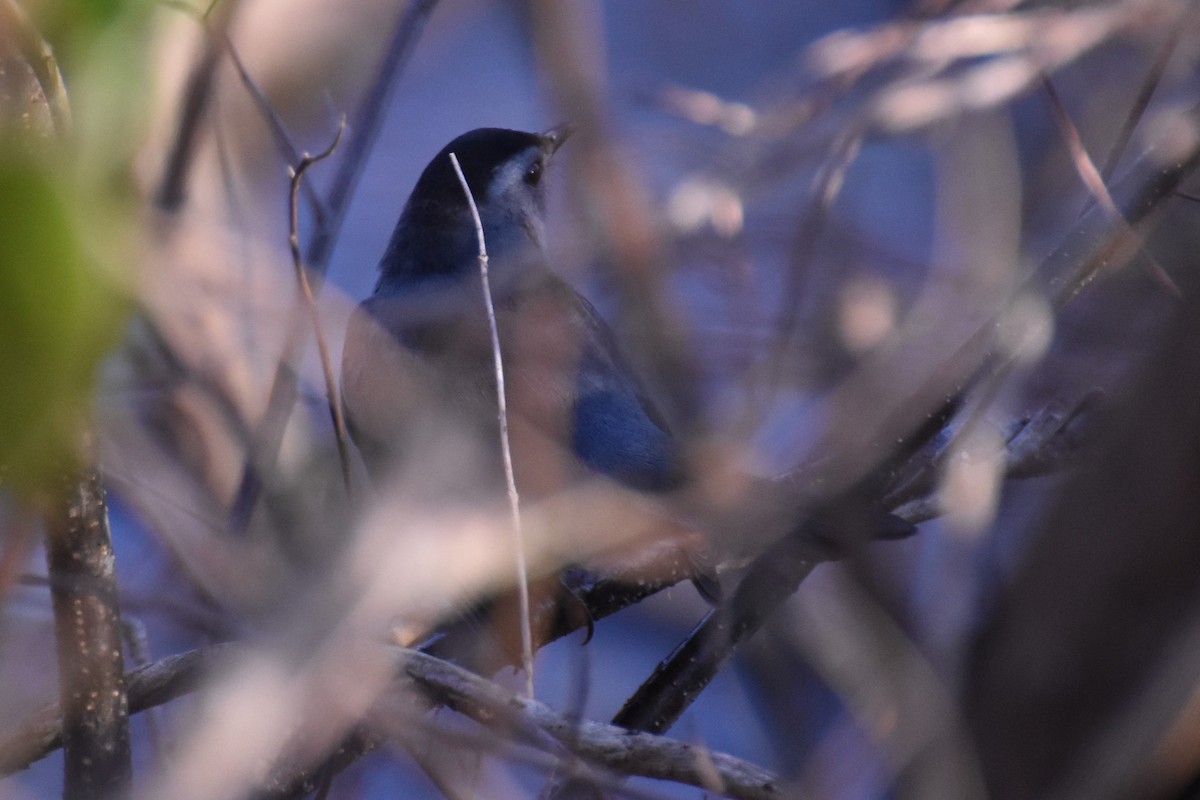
[87,625]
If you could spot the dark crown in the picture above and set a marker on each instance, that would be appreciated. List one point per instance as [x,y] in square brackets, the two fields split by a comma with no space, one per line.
[479,152]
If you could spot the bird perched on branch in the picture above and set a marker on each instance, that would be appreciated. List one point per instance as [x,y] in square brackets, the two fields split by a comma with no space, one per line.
[418,365]
[565,375]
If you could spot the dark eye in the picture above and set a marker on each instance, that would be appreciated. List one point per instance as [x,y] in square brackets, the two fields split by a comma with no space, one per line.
[534,174]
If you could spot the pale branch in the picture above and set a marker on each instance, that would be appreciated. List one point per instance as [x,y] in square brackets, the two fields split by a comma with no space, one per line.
[614,748]
[505,712]
[510,480]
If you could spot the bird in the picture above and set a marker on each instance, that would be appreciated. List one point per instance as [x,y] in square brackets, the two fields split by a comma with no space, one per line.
[418,349]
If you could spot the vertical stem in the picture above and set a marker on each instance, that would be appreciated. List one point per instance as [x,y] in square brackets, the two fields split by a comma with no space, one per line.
[265,446]
[87,627]
[514,501]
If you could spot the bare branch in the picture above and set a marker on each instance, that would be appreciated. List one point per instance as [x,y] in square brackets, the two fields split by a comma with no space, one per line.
[1142,101]
[87,625]
[196,99]
[612,747]
[606,746]
[363,130]
[283,142]
[146,687]
[510,480]
[332,397]
[1095,184]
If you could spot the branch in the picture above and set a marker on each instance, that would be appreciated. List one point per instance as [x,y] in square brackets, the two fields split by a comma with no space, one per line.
[611,747]
[283,142]
[840,524]
[363,130]
[978,365]
[1142,101]
[1090,175]
[489,704]
[40,56]
[505,447]
[87,626]
[197,97]
[147,687]
[332,398]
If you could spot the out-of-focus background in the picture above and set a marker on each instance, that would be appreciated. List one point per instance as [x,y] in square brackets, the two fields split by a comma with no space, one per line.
[810,224]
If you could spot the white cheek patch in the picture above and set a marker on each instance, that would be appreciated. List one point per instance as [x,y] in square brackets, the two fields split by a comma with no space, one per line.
[509,191]
[507,178]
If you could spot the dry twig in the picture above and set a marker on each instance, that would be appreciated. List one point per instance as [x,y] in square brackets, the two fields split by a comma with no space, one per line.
[505,447]
[284,385]
[332,397]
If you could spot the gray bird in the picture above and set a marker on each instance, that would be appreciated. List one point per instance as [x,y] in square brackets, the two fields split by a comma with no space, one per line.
[418,372]
[421,340]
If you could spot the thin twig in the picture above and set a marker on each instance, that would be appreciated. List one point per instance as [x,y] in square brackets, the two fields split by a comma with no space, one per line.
[197,97]
[284,385]
[502,410]
[331,393]
[283,142]
[826,186]
[1142,101]
[1095,185]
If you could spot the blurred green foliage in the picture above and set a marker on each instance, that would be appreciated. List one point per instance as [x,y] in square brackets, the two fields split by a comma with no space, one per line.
[67,228]
[58,316]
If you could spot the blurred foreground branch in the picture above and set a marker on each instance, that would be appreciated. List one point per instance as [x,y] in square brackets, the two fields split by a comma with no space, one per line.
[488,703]
[1098,241]
[260,462]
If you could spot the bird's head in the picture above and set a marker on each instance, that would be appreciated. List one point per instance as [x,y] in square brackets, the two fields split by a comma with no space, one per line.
[505,170]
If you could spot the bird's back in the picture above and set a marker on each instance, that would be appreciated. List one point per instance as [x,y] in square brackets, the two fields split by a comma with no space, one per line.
[573,404]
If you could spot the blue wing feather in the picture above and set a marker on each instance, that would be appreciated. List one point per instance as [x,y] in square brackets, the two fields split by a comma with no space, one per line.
[617,429]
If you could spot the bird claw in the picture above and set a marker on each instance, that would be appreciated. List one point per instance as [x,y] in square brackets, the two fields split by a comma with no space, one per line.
[572,581]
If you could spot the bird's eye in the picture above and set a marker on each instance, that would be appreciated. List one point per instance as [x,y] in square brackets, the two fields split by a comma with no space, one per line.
[534,174]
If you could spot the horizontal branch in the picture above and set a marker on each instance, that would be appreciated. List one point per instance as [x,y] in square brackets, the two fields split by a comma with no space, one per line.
[146,687]
[614,748]
[606,746]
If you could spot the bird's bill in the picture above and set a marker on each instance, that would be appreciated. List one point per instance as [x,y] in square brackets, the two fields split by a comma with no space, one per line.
[555,137]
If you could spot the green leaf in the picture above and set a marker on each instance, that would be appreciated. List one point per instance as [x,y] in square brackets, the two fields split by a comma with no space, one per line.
[59,314]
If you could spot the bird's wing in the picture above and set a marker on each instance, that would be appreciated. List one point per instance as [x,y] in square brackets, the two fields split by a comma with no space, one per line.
[617,430]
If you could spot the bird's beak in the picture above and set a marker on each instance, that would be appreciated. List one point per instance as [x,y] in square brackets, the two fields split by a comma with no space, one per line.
[555,137]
